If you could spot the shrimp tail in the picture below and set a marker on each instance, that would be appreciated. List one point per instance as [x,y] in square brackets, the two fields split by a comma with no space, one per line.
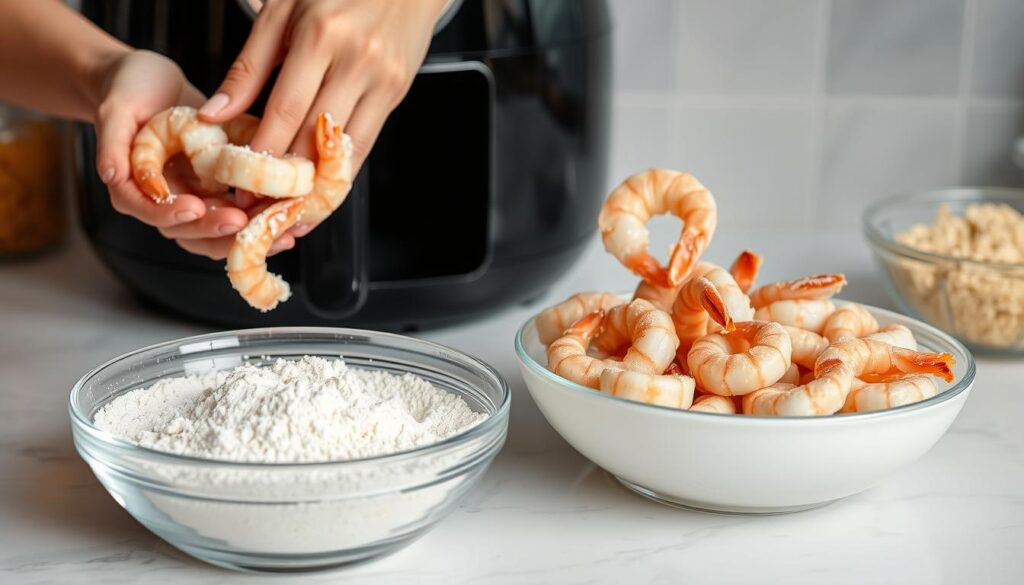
[745,269]
[713,303]
[833,283]
[646,266]
[154,185]
[939,364]
[685,255]
[329,142]
[587,325]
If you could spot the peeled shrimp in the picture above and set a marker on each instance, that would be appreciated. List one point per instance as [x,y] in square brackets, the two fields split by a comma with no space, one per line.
[166,134]
[821,286]
[672,389]
[753,356]
[807,346]
[567,355]
[896,335]
[713,403]
[835,370]
[655,192]
[809,314]
[745,268]
[552,322]
[247,257]
[849,321]
[334,173]
[792,375]
[644,332]
[240,167]
[866,397]
[697,300]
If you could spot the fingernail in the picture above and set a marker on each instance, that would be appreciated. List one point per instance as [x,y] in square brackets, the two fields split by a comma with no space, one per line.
[214,104]
[184,216]
[108,175]
[227,228]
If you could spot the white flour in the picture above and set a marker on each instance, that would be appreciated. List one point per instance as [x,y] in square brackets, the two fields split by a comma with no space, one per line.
[310,410]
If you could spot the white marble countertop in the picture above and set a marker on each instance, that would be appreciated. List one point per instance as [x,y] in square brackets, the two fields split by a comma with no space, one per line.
[542,513]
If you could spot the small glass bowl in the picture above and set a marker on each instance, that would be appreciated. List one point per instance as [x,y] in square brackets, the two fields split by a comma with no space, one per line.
[291,517]
[981,303]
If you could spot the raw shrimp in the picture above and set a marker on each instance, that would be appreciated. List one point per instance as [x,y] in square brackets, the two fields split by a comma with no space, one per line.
[907,389]
[745,268]
[821,286]
[807,346]
[671,389]
[835,370]
[166,134]
[805,314]
[849,321]
[753,356]
[696,301]
[643,332]
[247,257]
[713,403]
[334,172]
[654,192]
[567,355]
[552,322]
[242,168]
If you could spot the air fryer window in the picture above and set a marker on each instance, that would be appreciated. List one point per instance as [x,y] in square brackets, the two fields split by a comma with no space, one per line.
[429,178]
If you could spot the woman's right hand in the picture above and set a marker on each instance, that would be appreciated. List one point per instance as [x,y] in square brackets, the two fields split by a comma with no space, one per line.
[136,86]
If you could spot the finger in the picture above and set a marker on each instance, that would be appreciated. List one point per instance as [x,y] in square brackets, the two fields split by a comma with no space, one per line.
[217,248]
[289,102]
[338,96]
[364,126]
[253,66]
[190,96]
[245,199]
[222,219]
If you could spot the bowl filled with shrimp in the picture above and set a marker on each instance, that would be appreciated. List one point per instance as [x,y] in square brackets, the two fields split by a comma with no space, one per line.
[700,389]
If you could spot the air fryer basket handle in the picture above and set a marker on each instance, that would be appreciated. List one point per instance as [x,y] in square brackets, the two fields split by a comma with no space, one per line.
[334,267]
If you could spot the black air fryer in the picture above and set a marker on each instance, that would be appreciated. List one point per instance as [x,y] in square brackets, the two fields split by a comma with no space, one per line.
[483,188]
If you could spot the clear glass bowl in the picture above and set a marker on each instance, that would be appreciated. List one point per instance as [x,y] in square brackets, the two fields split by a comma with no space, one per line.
[291,517]
[981,303]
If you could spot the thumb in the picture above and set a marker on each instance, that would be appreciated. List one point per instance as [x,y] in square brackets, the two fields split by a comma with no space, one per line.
[251,68]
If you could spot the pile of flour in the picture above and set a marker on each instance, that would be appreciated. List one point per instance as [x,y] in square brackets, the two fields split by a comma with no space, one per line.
[309,410]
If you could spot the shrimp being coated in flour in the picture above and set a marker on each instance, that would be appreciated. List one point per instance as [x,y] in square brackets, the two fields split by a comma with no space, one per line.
[671,389]
[821,286]
[849,321]
[247,257]
[242,168]
[334,172]
[809,314]
[552,322]
[643,332]
[172,131]
[567,355]
[753,356]
[653,192]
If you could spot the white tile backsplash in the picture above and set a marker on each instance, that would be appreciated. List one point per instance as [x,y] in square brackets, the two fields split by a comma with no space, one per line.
[998,64]
[873,150]
[644,36]
[895,47]
[800,112]
[991,131]
[756,161]
[748,46]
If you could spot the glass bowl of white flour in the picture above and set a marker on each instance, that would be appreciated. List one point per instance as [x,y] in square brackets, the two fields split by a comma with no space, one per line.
[290,449]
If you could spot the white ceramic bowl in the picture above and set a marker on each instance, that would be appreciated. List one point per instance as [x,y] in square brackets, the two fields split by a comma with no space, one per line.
[745,464]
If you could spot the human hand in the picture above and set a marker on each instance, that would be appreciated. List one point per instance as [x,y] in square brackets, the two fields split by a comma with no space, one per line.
[354,59]
[138,85]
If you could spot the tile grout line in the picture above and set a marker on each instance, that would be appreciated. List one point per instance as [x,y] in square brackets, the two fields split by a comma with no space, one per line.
[815,178]
[958,163]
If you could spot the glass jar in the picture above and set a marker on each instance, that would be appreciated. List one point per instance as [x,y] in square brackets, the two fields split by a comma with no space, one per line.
[31,183]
